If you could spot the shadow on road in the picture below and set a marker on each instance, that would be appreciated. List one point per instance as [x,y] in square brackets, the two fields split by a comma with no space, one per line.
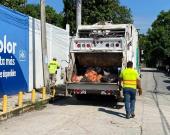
[88,101]
[168,87]
[112,112]
[149,70]
[167,75]
[166,81]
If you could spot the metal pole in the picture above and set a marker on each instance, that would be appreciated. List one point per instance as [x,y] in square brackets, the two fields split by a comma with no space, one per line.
[78,12]
[44,43]
[33,96]
[20,99]
[5,104]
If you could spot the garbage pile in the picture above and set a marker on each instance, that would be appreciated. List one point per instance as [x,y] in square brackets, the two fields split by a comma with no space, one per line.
[95,75]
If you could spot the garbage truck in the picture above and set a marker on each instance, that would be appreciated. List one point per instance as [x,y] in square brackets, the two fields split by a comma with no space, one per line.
[96,56]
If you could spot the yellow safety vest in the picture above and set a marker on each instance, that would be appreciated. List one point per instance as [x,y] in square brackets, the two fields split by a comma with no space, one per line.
[129,77]
[53,66]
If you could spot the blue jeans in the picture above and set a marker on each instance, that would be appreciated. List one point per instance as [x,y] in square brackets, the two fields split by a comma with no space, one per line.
[129,99]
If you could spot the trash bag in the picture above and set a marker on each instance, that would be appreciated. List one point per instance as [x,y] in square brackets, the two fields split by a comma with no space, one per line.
[84,79]
[91,75]
[76,78]
[109,78]
[98,70]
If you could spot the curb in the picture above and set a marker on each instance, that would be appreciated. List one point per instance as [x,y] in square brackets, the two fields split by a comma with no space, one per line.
[20,110]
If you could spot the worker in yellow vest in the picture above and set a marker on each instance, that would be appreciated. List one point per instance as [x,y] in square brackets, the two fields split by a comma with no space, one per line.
[131,81]
[52,68]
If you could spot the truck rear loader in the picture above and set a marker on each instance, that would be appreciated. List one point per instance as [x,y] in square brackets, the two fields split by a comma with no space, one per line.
[97,54]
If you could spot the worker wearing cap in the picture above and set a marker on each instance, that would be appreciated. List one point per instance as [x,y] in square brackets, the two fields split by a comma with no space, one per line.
[52,68]
[131,81]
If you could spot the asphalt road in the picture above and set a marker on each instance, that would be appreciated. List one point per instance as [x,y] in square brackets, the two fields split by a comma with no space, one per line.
[68,116]
[156,114]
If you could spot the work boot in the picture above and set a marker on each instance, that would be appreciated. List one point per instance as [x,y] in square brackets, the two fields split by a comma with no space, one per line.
[132,115]
[127,116]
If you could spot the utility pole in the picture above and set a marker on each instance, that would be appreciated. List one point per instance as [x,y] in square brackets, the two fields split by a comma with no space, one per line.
[78,12]
[44,43]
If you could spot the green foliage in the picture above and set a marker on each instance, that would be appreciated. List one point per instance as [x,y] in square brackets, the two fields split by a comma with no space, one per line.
[32,10]
[144,44]
[14,4]
[39,105]
[52,16]
[94,11]
[156,44]
[70,14]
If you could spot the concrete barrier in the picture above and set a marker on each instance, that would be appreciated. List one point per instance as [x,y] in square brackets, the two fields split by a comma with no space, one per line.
[22,107]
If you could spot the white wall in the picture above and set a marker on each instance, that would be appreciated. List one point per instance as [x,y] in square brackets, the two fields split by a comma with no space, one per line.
[57,46]
[135,46]
[131,53]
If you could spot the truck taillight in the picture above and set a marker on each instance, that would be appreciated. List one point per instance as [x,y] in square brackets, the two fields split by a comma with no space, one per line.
[117,45]
[77,91]
[88,45]
[107,45]
[78,45]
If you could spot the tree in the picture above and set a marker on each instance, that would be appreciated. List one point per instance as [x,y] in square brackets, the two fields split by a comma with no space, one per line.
[33,10]
[14,4]
[94,11]
[162,24]
[143,45]
[157,45]
[51,16]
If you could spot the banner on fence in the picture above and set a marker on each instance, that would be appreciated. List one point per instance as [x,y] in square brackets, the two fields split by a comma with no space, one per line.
[14,51]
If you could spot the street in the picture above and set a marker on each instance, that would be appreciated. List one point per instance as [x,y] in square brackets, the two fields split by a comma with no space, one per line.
[68,116]
[156,115]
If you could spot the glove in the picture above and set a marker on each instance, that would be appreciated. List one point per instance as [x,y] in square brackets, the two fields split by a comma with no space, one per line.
[140,91]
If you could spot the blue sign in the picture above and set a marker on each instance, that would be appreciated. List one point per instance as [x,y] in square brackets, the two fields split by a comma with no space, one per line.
[14,51]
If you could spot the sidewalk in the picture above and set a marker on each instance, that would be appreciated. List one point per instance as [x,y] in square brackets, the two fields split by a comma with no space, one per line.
[13,100]
[12,104]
